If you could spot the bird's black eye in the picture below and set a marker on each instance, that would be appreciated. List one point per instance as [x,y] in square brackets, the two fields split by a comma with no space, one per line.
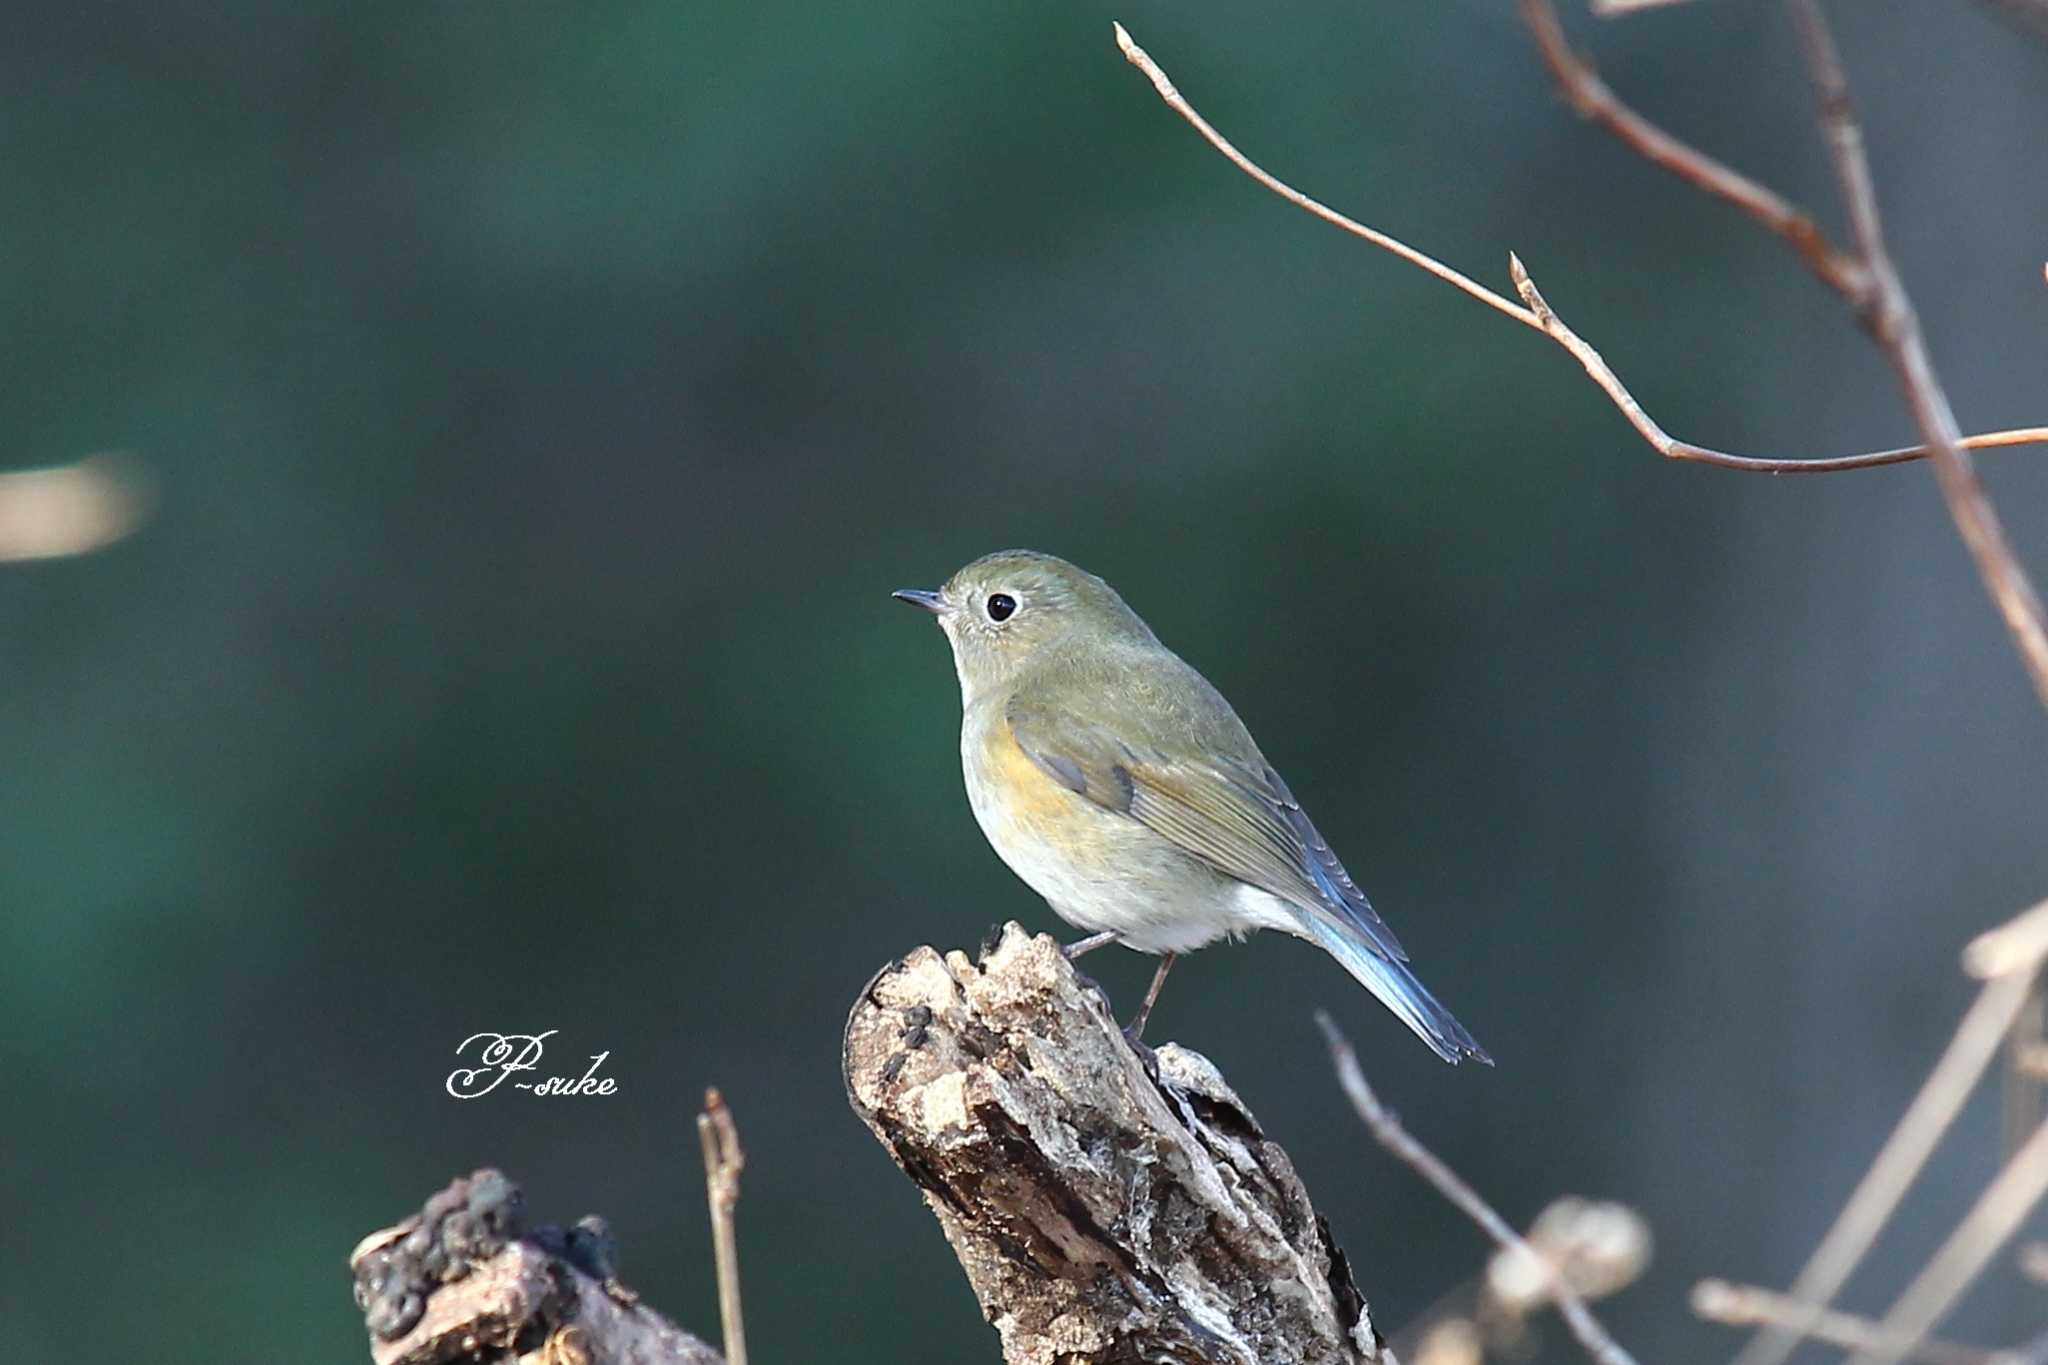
[1000,606]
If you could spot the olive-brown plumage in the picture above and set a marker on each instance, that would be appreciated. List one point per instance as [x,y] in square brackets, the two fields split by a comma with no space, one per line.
[1124,789]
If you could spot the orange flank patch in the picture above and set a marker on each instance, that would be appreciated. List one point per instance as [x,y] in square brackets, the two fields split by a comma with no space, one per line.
[1030,795]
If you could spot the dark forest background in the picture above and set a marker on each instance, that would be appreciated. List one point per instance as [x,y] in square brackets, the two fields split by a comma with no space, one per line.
[541,402]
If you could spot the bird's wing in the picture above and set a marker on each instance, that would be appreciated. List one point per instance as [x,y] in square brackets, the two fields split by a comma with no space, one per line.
[1235,815]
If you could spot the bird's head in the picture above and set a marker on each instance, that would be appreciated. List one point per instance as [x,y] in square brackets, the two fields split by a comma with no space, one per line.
[1002,610]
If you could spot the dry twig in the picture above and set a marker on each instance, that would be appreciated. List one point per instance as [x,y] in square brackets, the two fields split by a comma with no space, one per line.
[1540,317]
[1387,1130]
[1896,328]
[1898,1164]
[1870,282]
[2026,1066]
[1866,279]
[1591,97]
[2007,959]
[1743,1305]
[723,1161]
[1996,1215]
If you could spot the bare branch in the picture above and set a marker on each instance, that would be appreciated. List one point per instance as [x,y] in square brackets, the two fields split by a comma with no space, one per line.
[1590,96]
[1387,1130]
[1138,57]
[2026,1064]
[1743,1305]
[1870,282]
[723,1162]
[1898,1164]
[1538,316]
[1896,327]
[1998,1212]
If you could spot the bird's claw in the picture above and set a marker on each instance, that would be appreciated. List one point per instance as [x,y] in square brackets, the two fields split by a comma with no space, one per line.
[1147,1058]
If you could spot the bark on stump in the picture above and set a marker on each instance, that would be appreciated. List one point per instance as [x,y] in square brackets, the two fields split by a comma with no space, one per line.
[1103,1209]
[514,1297]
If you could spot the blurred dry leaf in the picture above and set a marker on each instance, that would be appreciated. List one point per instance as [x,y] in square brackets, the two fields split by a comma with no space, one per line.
[70,509]
[1453,1341]
[1597,1247]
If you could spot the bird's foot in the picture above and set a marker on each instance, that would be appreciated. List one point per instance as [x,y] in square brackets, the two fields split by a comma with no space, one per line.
[1147,1058]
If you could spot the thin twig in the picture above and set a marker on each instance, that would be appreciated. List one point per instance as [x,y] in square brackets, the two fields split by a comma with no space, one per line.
[2026,1064]
[1744,1305]
[1896,328]
[1898,1164]
[1998,1212]
[1590,96]
[723,1162]
[1138,57]
[1391,1135]
[1538,315]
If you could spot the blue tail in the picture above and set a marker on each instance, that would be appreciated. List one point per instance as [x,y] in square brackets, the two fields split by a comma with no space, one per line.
[1399,990]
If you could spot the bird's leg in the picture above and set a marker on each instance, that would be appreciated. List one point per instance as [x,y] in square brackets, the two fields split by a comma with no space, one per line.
[1137,1028]
[1088,944]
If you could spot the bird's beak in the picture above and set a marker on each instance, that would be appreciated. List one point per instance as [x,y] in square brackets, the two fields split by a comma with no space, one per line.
[918,597]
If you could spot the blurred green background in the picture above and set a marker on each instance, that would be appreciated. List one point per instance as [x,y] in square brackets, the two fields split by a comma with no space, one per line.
[543,399]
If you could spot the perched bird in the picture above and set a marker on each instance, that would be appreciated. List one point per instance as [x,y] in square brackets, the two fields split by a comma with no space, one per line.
[1121,787]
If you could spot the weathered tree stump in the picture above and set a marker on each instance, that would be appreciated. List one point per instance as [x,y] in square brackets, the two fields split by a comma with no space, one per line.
[466,1280]
[1106,1206]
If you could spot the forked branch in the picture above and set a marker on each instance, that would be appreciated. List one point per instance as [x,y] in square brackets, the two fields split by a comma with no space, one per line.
[2007,960]
[1896,327]
[1746,1305]
[1590,96]
[1898,1164]
[1538,315]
